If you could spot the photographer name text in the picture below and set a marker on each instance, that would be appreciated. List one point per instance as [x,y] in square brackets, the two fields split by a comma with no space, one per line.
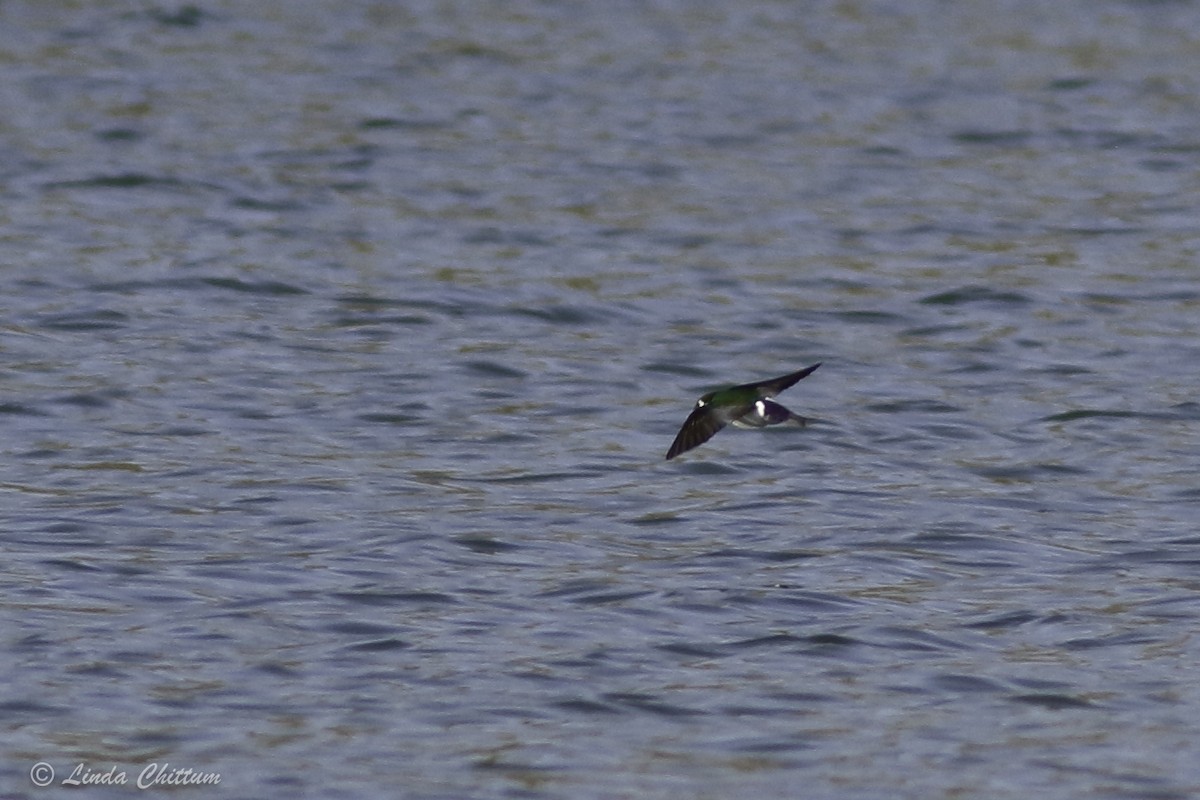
[152,775]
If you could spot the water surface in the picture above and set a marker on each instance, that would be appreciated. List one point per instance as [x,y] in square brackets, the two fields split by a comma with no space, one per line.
[342,343]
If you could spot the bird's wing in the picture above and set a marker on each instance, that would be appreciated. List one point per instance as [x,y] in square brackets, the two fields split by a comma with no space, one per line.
[700,426]
[776,385]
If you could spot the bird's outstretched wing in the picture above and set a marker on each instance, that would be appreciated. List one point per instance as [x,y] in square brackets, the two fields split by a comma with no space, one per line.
[700,426]
[776,385]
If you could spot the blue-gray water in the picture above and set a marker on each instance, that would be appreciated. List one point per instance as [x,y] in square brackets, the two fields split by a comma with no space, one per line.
[342,342]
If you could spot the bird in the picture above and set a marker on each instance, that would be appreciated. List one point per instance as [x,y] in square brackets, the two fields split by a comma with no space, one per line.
[747,405]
